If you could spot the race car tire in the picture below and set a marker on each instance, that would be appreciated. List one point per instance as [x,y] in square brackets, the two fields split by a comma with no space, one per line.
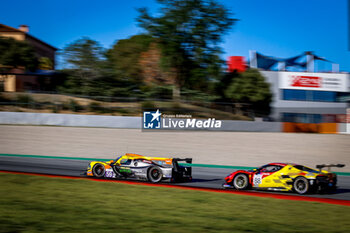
[240,181]
[154,174]
[98,170]
[301,185]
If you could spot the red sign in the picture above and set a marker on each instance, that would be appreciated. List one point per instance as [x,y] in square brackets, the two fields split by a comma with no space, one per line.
[306,81]
[236,63]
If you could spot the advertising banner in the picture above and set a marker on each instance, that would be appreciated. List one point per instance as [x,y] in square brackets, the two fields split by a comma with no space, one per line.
[314,81]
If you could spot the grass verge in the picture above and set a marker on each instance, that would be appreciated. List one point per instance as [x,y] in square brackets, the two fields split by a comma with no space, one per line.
[43,204]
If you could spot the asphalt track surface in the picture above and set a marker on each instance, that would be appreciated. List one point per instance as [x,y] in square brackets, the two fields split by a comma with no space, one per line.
[250,149]
[203,177]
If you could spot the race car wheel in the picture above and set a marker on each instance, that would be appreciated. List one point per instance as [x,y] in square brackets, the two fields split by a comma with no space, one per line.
[154,174]
[301,185]
[241,181]
[98,170]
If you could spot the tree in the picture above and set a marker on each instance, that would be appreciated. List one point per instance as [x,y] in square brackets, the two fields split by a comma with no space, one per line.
[250,87]
[189,32]
[125,56]
[45,63]
[90,70]
[151,70]
[17,54]
[84,60]
[85,55]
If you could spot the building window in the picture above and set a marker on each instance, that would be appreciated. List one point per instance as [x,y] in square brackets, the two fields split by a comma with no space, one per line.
[304,95]
[313,118]
[301,117]
[325,96]
[294,94]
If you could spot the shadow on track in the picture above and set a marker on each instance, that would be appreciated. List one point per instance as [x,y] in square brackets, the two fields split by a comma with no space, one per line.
[203,180]
[338,191]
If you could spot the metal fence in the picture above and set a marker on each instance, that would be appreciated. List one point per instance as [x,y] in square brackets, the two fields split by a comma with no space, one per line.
[125,106]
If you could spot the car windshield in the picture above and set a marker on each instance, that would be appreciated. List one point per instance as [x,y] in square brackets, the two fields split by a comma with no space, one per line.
[307,169]
[269,168]
[125,162]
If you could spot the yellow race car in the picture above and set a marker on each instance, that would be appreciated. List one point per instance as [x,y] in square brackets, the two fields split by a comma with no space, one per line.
[284,177]
[140,167]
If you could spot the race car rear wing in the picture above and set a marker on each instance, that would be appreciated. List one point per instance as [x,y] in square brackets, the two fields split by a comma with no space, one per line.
[187,160]
[328,166]
[182,172]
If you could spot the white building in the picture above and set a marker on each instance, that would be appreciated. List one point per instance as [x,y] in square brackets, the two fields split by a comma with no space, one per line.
[308,97]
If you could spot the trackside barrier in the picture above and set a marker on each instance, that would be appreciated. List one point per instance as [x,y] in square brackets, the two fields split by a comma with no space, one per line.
[77,120]
[54,119]
[329,128]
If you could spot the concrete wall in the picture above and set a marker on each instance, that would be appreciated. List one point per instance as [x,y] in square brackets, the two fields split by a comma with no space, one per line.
[251,126]
[24,118]
[21,118]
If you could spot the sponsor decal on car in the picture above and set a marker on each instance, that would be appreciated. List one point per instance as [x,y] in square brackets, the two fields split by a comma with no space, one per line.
[125,169]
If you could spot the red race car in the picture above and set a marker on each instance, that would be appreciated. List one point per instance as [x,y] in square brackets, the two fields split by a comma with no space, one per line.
[284,177]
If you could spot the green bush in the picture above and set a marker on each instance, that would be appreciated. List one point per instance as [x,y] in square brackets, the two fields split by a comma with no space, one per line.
[55,108]
[176,108]
[24,100]
[3,98]
[148,105]
[105,110]
[95,107]
[158,92]
[73,106]
[194,95]
[123,111]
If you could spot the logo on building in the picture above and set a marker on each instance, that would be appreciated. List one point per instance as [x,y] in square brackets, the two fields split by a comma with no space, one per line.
[306,81]
[314,81]
[152,120]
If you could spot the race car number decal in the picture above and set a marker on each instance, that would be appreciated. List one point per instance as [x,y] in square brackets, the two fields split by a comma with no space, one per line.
[257,180]
[109,173]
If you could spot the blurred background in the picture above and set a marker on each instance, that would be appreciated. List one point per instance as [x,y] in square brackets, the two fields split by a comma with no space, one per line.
[274,73]
[222,59]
